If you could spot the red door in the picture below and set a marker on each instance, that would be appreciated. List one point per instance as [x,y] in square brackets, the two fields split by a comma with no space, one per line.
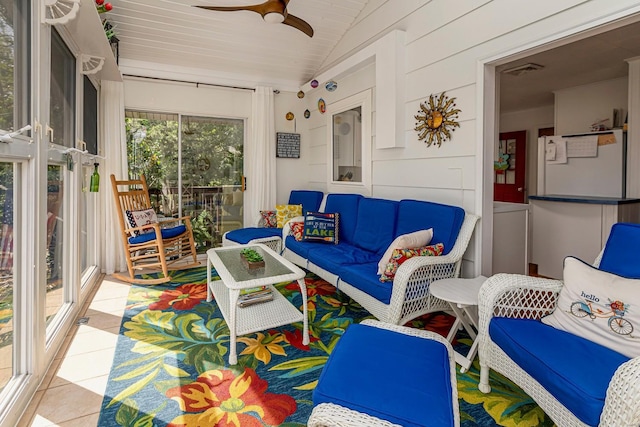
[509,167]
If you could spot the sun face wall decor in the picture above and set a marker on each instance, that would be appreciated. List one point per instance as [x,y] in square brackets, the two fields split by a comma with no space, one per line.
[436,119]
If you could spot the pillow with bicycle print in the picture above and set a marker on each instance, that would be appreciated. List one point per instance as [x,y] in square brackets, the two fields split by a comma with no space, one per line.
[599,306]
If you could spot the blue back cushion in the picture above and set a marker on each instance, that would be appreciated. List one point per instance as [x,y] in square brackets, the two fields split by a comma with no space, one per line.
[376,224]
[621,254]
[347,206]
[310,200]
[446,220]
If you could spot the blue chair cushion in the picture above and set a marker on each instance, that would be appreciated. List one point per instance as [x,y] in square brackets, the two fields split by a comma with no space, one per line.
[300,248]
[574,370]
[621,255]
[167,233]
[309,199]
[347,206]
[365,278]
[392,376]
[446,221]
[245,235]
[376,224]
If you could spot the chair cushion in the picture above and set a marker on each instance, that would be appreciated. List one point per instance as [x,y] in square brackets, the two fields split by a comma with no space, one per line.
[309,199]
[392,376]
[167,233]
[365,278]
[245,235]
[376,224]
[621,255]
[574,370]
[347,206]
[446,220]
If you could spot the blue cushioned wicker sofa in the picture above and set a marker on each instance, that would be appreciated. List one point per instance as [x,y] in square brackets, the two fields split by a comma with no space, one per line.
[576,381]
[367,226]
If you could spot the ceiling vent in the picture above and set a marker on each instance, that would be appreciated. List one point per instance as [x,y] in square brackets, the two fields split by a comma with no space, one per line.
[523,69]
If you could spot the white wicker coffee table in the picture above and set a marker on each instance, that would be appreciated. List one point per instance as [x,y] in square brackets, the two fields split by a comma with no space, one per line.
[235,276]
[462,296]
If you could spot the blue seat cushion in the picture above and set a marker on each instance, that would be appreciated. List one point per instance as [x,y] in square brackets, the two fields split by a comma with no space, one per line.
[446,221]
[376,224]
[332,257]
[245,235]
[301,248]
[347,206]
[392,376]
[574,370]
[167,233]
[365,278]
[621,255]
[309,199]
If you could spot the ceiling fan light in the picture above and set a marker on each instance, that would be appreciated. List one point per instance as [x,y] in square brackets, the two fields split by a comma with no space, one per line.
[274,18]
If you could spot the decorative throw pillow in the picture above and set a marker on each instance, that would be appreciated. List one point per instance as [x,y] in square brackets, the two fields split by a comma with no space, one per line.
[269,219]
[140,218]
[398,256]
[417,239]
[296,230]
[599,306]
[285,212]
[321,227]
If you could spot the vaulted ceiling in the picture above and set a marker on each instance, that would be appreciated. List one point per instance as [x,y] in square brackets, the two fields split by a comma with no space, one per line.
[233,46]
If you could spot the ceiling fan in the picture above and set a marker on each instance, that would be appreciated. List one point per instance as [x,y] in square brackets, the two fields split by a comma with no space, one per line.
[272,11]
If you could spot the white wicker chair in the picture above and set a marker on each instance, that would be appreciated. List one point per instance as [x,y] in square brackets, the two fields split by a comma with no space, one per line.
[330,414]
[517,296]
[410,296]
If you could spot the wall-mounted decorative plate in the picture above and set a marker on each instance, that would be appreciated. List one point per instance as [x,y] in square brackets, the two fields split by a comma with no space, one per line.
[314,84]
[289,116]
[307,114]
[331,86]
[322,106]
[300,94]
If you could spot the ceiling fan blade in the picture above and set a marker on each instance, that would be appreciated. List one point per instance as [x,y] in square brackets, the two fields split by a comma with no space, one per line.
[298,24]
[253,8]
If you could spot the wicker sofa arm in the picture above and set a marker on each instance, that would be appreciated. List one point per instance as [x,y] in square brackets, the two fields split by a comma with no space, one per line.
[410,296]
[622,403]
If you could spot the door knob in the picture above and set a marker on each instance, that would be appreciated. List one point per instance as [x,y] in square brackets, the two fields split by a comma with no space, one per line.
[520,189]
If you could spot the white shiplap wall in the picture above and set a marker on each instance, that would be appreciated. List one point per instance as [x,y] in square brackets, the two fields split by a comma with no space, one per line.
[445,43]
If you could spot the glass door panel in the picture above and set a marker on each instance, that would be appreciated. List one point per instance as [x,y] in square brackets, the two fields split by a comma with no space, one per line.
[7,306]
[55,242]
[212,160]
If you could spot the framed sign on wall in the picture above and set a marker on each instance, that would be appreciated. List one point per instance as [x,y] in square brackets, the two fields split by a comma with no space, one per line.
[288,145]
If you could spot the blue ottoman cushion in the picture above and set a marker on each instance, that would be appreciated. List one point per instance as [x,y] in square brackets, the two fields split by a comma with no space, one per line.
[389,375]
[245,235]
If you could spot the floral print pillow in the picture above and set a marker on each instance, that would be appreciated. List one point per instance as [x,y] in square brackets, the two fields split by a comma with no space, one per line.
[401,255]
[269,219]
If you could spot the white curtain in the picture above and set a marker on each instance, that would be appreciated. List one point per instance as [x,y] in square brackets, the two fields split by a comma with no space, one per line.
[113,136]
[260,155]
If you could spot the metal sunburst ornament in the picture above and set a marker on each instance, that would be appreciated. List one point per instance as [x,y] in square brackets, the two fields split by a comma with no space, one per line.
[437,119]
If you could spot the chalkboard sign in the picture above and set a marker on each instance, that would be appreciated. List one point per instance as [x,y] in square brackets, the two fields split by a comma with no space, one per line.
[288,145]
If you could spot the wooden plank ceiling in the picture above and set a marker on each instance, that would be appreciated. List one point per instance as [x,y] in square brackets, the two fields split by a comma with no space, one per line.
[173,33]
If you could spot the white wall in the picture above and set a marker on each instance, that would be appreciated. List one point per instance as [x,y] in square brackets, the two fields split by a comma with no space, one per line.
[445,43]
[580,106]
[530,120]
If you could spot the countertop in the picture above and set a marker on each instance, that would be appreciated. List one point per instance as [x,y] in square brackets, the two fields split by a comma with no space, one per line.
[594,200]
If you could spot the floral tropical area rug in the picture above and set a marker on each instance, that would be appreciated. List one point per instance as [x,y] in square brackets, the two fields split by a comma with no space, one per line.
[171,368]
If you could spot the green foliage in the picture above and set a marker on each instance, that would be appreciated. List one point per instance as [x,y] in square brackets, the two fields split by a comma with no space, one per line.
[251,255]
[201,225]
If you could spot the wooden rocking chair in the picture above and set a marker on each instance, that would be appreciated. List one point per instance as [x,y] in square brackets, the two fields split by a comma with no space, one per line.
[143,250]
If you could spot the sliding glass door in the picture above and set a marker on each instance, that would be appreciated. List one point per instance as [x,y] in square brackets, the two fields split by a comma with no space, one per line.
[7,282]
[193,166]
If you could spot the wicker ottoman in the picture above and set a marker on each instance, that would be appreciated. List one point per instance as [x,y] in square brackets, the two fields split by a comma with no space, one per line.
[384,375]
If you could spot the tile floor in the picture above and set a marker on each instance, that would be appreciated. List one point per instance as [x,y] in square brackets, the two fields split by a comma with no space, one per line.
[72,391]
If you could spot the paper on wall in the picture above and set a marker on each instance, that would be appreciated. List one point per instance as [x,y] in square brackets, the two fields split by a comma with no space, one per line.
[560,149]
[582,146]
